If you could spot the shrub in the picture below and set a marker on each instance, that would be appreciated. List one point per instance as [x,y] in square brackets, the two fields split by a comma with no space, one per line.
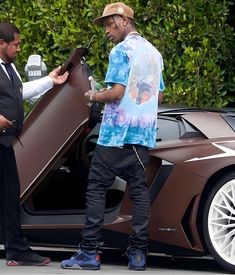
[193,36]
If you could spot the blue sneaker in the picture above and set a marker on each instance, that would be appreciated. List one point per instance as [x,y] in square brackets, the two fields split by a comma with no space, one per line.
[137,260]
[82,260]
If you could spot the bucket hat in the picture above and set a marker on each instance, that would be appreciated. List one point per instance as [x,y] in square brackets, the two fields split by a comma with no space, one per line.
[117,8]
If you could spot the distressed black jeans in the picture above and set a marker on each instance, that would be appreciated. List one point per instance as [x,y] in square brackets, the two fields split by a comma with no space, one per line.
[106,164]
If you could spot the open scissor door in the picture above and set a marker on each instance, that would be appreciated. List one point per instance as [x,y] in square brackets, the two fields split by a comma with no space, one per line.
[53,126]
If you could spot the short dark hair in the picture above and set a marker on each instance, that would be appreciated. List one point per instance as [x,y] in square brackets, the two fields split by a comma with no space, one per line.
[7,31]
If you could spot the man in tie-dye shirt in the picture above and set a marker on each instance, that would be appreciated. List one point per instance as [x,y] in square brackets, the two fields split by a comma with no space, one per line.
[129,127]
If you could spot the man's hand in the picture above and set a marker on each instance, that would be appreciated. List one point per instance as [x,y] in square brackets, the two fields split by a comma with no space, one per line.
[4,123]
[56,78]
[90,94]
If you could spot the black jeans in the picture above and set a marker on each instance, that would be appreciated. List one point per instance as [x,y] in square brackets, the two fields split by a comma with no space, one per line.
[13,238]
[106,164]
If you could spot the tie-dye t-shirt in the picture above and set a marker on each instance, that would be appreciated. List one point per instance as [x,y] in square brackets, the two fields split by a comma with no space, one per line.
[136,64]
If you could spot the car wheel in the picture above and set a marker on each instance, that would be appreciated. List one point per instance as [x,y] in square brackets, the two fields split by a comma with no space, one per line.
[219,222]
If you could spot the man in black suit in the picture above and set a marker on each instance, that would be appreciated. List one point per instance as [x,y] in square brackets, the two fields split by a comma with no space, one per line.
[12,93]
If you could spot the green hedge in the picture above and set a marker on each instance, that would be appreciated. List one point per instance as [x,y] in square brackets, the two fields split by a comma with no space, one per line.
[194,38]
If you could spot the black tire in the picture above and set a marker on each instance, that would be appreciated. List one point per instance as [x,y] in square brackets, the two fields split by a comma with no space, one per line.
[219,222]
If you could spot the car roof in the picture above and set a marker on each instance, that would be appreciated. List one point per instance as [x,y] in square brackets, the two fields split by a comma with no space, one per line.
[213,123]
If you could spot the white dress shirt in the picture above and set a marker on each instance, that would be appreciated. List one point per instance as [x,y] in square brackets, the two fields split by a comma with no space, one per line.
[32,90]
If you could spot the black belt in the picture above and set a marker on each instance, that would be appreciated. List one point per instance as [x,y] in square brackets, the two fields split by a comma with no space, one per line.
[130,146]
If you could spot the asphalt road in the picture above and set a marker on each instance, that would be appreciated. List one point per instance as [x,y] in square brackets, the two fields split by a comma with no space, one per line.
[114,263]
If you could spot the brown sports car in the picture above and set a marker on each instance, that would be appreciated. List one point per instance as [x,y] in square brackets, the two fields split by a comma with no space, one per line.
[191,176]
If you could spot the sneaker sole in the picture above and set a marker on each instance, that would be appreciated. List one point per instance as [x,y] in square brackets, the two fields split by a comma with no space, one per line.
[76,266]
[138,268]
[20,263]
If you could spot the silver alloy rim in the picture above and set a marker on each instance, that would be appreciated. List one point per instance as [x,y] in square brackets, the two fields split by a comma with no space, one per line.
[221,222]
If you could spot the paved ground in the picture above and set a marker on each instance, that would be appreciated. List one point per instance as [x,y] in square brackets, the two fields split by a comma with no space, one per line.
[113,263]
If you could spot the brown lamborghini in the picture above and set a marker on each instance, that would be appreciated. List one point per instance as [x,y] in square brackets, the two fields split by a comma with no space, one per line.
[191,176]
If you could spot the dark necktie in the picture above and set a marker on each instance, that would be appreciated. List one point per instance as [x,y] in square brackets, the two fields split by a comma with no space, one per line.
[9,69]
